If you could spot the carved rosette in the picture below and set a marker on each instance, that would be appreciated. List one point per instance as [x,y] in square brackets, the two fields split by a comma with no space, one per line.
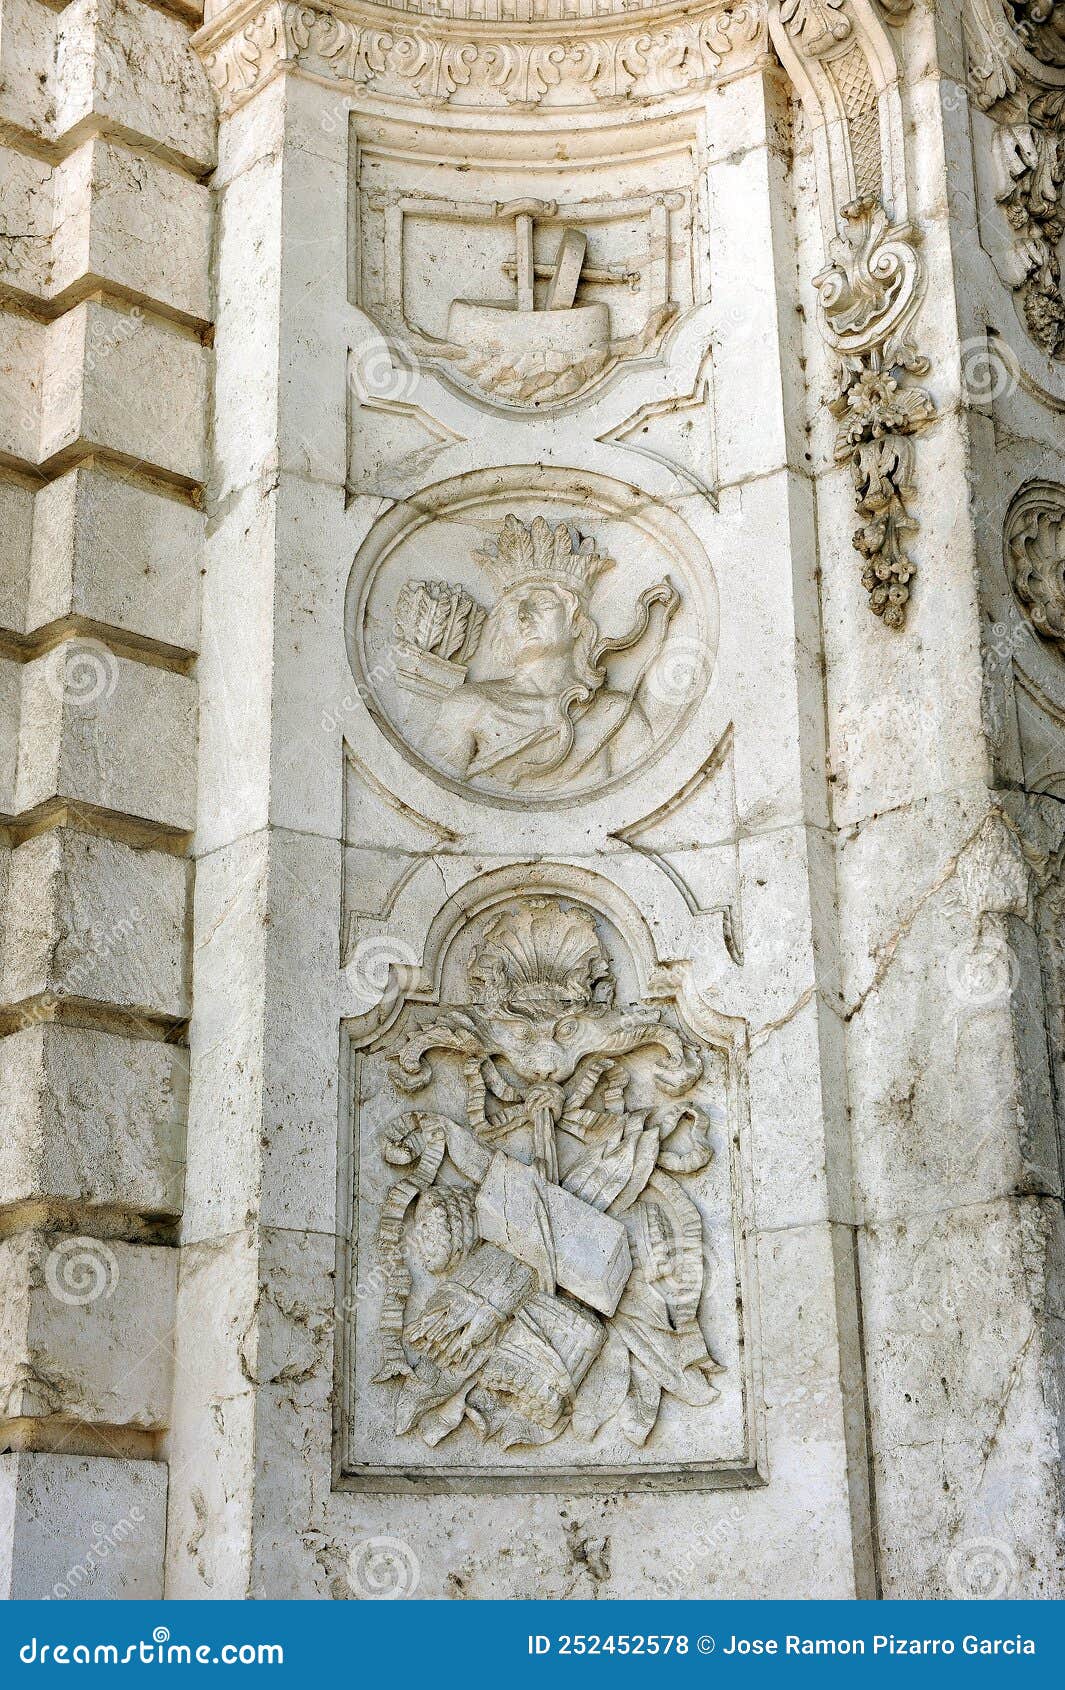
[868,293]
[445,57]
[1034,549]
[1017,75]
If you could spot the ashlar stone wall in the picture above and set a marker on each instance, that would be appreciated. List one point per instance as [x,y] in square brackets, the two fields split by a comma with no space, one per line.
[107,126]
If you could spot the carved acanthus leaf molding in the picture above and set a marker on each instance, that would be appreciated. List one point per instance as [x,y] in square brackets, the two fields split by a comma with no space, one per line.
[477,61]
[868,293]
[1017,75]
[1034,549]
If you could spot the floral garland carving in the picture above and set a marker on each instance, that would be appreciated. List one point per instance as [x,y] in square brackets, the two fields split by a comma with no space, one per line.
[426,59]
[1017,76]
[868,292]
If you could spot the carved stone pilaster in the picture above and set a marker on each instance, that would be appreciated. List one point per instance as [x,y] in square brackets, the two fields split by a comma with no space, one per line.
[841,60]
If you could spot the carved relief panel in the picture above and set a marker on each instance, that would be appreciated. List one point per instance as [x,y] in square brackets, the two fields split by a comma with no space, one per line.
[546,1276]
[543,1281]
[1016,54]
[531,648]
[520,280]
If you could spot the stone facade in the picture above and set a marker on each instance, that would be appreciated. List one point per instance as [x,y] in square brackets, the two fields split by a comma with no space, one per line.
[533,624]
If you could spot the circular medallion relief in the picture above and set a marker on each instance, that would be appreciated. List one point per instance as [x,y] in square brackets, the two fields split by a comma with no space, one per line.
[531,637]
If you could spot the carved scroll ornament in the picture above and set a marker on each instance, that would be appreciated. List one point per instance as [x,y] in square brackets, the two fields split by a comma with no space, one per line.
[869,291]
[842,62]
[1034,549]
[407,53]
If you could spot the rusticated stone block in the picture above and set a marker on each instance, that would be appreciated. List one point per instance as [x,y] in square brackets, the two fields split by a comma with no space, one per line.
[27,45]
[109,550]
[77,1528]
[9,709]
[93,1118]
[123,63]
[127,383]
[16,531]
[125,219]
[108,731]
[91,918]
[85,1329]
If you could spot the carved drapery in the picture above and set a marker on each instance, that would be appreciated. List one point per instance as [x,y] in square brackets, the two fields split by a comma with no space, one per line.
[1016,52]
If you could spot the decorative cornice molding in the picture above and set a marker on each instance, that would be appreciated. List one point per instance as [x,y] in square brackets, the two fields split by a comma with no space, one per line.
[441,57]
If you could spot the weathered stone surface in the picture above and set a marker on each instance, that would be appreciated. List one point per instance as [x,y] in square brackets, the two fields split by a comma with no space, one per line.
[117,553]
[102,730]
[81,1528]
[16,530]
[91,918]
[92,1118]
[86,1332]
[125,382]
[624,972]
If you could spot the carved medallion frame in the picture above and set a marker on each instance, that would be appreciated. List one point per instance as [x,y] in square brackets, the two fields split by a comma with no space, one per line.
[552,488]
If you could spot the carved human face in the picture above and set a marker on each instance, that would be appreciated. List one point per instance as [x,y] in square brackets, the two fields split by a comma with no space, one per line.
[542,623]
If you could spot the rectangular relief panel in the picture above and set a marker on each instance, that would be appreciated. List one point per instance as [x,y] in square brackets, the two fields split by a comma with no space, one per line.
[544,1284]
[521,278]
